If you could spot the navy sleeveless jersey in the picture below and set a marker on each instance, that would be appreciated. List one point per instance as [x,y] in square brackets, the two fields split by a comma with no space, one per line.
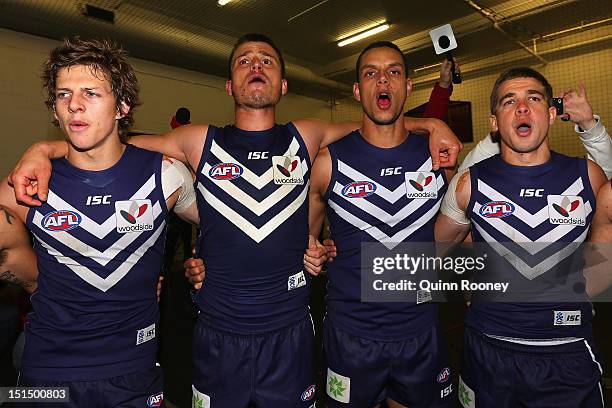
[252,194]
[99,240]
[368,201]
[533,220]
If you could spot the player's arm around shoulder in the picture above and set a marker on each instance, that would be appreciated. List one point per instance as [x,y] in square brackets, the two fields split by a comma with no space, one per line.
[444,146]
[452,224]
[17,258]
[184,143]
[319,133]
[177,185]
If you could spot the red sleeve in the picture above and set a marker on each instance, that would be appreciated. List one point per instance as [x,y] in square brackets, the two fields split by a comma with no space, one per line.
[437,107]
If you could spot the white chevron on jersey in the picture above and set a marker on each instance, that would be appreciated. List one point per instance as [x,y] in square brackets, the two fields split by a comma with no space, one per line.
[389,241]
[101,257]
[111,280]
[382,215]
[257,181]
[514,235]
[533,220]
[382,191]
[255,206]
[531,272]
[257,234]
[98,230]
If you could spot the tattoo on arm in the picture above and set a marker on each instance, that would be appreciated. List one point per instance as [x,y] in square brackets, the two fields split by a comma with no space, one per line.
[10,277]
[9,217]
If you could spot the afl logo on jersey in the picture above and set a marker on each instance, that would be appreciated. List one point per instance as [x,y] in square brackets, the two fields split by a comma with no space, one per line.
[497,209]
[359,189]
[62,220]
[444,375]
[225,171]
[309,393]
[155,400]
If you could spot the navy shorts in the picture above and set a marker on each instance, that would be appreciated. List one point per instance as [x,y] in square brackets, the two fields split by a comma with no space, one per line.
[270,370]
[362,372]
[140,389]
[500,374]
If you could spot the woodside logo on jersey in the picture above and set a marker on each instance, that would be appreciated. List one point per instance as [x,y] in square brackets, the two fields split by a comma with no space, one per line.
[134,216]
[421,184]
[287,170]
[568,210]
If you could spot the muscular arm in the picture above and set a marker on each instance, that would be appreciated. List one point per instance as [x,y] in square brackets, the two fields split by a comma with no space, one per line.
[602,221]
[443,144]
[316,254]
[184,143]
[31,174]
[452,225]
[17,259]
[319,181]
[598,252]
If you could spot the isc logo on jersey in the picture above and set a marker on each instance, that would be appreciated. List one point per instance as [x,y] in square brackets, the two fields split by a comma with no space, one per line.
[287,170]
[225,171]
[567,318]
[61,220]
[421,184]
[566,210]
[133,216]
[359,189]
[497,209]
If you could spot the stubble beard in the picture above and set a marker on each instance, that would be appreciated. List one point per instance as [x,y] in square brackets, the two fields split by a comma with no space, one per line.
[381,122]
[258,100]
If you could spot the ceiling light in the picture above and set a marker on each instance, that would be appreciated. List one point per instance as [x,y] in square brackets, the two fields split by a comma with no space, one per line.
[223,2]
[364,34]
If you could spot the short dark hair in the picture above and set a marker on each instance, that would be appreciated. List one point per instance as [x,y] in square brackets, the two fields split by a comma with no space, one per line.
[103,57]
[520,72]
[255,37]
[379,44]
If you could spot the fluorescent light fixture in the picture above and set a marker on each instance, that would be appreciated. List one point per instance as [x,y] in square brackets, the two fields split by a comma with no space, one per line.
[223,2]
[362,35]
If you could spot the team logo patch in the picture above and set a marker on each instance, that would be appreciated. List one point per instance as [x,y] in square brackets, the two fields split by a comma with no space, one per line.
[155,400]
[497,209]
[199,399]
[466,395]
[338,386]
[308,394]
[133,216]
[567,318]
[146,334]
[359,189]
[421,184]
[287,170]
[225,171]
[444,375]
[61,220]
[568,210]
[296,281]
[422,296]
